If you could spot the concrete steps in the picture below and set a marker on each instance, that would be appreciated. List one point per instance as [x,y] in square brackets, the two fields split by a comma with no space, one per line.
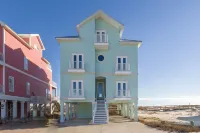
[100,114]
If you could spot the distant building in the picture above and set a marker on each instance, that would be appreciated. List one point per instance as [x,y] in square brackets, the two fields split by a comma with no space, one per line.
[25,76]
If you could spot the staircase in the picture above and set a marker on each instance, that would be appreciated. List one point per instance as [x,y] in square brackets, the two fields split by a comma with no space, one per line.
[101,113]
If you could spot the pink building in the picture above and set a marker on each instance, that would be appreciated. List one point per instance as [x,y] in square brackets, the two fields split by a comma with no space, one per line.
[25,76]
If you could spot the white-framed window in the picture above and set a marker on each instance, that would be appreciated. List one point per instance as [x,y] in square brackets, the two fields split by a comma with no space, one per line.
[77,61]
[27,88]
[77,87]
[25,63]
[11,83]
[101,36]
[122,88]
[122,63]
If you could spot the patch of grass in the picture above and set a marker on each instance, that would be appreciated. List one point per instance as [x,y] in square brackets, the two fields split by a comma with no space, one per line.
[166,125]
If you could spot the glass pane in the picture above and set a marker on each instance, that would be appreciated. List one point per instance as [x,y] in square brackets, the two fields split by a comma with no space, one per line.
[119,60]
[74,85]
[74,57]
[124,60]
[124,89]
[119,89]
[98,38]
[80,85]
[75,64]
[80,64]
[80,57]
[119,66]
[103,37]
[100,89]
[124,66]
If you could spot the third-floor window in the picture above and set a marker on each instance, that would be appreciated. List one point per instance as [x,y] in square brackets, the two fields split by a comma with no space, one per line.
[101,36]
[77,61]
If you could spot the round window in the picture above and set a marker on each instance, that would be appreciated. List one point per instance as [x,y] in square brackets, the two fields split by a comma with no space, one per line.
[100,57]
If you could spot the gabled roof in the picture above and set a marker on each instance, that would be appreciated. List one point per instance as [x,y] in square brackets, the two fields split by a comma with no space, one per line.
[105,17]
[37,35]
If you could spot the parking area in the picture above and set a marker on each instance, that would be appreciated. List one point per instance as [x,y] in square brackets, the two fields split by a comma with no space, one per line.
[117,124]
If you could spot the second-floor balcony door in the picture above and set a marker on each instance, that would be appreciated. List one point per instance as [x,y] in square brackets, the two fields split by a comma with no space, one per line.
[77,61]
[121,63]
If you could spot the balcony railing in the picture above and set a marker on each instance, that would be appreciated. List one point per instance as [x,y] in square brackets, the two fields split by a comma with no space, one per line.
[76,94]
[76,66]
[122,69]
[123,93]
[1,89]
[38,100]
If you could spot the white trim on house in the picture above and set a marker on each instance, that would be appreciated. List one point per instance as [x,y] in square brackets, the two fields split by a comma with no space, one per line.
[131,43]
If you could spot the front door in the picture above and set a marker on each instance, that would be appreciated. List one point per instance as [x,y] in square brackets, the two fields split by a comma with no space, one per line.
[100,91]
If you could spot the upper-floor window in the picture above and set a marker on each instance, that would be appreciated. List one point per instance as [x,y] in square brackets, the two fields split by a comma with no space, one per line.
[101,36]
[47,93]
[27,88]
[77,61]
[25,63]
[11,83]
[122,88]
[77,87]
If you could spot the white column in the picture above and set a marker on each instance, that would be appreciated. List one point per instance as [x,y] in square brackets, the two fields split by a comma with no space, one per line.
[42,110]
[136,110]
[125,112]
[22,109]
[128,112]
[61,111]
[3,109]
[66,111]
[14,109]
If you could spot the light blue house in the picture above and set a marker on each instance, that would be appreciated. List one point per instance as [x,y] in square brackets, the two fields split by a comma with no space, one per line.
[98,68]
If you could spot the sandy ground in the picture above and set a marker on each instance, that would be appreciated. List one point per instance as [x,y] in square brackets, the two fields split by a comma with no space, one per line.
[179,116]
[117,125]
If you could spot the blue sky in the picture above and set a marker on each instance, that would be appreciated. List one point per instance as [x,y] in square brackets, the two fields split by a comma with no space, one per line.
[169,59]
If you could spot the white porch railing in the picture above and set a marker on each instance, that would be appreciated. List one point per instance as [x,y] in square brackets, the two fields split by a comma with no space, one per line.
[122,67]
[1,89]
[38,100]
[101,38]
[76,65]
[123,93]
[78,93]
[94,111]
[107,112]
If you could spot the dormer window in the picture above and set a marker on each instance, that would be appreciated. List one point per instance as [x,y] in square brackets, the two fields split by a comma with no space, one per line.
[101,36]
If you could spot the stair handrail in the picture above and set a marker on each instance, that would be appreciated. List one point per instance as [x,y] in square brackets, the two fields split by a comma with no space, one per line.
[106,110]
[94,110]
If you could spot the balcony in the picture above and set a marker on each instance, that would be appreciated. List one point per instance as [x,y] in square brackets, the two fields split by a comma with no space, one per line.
[76,94]
[122,69]
[39,100]
[76,67]
[1,89]
[123,95]
[101,41]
